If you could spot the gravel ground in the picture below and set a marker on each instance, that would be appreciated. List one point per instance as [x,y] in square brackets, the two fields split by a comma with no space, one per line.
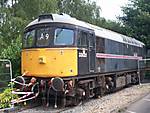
[112,103]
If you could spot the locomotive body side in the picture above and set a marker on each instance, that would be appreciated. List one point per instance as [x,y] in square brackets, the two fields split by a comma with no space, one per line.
[116,52]
[116,56]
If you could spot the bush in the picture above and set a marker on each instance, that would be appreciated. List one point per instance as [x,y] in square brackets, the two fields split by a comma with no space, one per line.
[13,53]
[6,97]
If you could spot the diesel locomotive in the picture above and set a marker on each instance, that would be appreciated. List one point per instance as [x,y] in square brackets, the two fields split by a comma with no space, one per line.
[68,60]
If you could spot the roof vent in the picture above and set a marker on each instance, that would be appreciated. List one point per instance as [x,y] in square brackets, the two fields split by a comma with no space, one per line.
[45,16]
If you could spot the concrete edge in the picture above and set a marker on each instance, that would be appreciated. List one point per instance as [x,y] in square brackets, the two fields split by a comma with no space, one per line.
[123,109]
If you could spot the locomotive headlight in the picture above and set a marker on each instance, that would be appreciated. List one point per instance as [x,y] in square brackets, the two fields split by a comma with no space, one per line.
[42,60]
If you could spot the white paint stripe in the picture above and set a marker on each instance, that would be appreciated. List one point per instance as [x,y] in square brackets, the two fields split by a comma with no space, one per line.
[147,100]
[103,55]
[130,111]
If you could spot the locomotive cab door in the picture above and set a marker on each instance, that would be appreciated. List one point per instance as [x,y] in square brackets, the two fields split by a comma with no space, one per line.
[86,52]
[91,51]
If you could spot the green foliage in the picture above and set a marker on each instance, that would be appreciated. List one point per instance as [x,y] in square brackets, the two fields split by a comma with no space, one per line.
[30,9]
[81,9]
[12,52]
[10,30]
[137,20]
[111,25]
[6,97]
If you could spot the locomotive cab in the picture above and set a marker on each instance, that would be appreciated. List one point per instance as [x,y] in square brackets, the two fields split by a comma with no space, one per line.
[49,51]
[55,49]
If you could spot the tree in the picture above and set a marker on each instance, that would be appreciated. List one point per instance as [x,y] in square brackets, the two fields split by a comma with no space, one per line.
[137,20]
[111,25]
[12,52]
[11,30]
[81,9]
[31,9]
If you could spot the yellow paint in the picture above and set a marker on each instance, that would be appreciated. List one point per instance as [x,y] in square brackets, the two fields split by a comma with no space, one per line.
[50,62]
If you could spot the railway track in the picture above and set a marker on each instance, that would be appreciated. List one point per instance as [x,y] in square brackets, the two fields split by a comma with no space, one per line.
[34,107]
[110,103]
[43,109]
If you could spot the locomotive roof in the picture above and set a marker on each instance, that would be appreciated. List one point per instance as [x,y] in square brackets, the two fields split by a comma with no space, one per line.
[99,32]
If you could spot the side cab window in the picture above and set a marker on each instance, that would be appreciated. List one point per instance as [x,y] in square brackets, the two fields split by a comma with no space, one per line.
[91,40]
[82,40]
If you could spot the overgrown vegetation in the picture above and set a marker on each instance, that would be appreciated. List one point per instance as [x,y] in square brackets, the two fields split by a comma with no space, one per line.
[6,97]
[136,20]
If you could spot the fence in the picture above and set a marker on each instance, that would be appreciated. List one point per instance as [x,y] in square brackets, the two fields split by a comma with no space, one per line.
[143,64]
[5,73]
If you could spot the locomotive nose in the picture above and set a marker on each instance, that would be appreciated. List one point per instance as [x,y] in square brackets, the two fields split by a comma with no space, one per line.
[57,84]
